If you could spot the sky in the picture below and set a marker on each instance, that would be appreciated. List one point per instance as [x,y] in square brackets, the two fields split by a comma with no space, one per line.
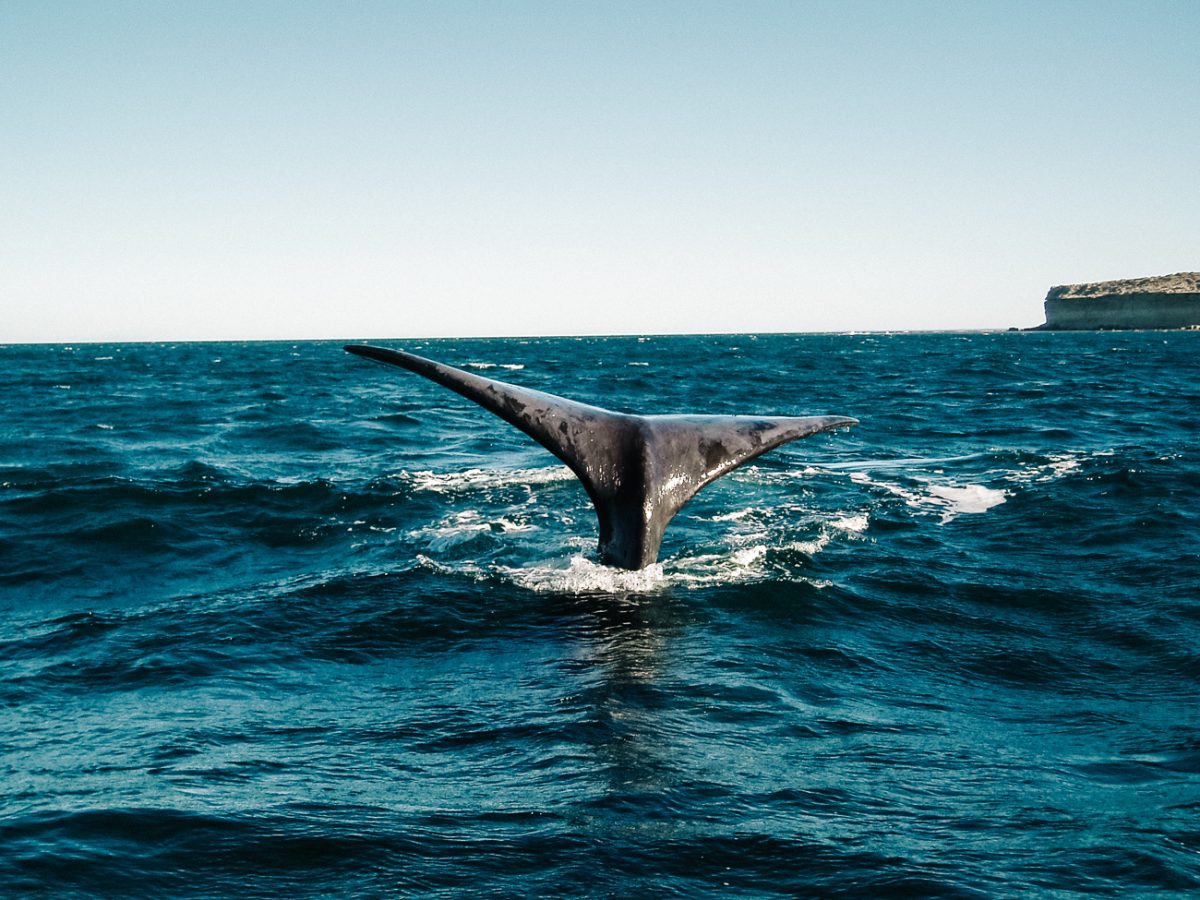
[256,170]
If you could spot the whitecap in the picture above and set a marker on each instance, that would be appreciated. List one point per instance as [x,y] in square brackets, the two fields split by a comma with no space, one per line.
[749,555]
[845,526]
[481,479]
[971,498]
[810,548]
[584,576]
[950,500]
[462,526]
[855,524]
[734,516]
[484,366]
[1055,467]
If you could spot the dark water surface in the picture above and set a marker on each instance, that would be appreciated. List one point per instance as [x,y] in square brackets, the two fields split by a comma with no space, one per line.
[278,621]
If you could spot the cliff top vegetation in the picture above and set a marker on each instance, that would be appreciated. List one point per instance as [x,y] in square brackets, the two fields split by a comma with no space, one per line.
[1179,283]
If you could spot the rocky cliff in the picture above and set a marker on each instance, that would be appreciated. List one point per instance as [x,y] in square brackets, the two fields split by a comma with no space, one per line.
[1165,301]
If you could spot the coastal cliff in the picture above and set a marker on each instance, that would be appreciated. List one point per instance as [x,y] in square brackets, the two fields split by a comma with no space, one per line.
[1164,301]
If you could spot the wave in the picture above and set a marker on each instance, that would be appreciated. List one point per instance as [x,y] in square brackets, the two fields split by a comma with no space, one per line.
[948,500]
[315,849]
[512,367]
[740,562]
[476,479]
[951,652]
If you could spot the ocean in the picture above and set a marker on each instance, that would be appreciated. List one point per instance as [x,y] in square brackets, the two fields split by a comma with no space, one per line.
[278,621]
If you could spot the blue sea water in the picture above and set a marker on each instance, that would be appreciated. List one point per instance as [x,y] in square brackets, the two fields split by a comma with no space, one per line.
[275,620]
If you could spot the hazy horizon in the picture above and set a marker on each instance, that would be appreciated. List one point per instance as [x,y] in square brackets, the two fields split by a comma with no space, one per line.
[351,339]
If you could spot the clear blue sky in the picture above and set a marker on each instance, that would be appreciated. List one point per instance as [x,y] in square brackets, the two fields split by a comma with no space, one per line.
[291,170]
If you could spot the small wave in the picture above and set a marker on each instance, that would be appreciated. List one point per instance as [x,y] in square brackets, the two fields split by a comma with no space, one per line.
[585,576]
[1055,467]
[933,463]
[749,563]
[293,436]
[949,499]
[852,525]
[463,526]
[576,576]
[397,419]
[482,479]
[754,474]
[733,516]
[809,548]
[855,524]
[512,367]
[973,498]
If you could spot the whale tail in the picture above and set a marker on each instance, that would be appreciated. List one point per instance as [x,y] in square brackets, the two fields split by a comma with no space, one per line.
[639,471]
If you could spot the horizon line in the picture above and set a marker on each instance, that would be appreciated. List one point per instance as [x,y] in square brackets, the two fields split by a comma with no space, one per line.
[517,337]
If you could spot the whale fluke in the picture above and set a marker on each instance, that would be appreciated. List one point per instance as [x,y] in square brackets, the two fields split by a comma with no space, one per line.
[638,470]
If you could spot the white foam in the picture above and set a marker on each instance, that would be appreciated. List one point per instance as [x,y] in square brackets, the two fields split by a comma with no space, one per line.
[747,565]
[512,367]
[810,548]
[480,479]
[734,516]
[584,576]
[581,574]
[950,500]
[758,475]
[855,524]
[1054,468]
[713,569]
[470,569]
[748,556]
[848,526]
[463,526]
[971,498]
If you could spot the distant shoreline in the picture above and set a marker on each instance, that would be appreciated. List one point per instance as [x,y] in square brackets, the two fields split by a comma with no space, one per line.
[1012,329]
[1157,303]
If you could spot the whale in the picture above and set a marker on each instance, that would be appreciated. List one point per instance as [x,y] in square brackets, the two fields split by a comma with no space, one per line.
[638,470]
